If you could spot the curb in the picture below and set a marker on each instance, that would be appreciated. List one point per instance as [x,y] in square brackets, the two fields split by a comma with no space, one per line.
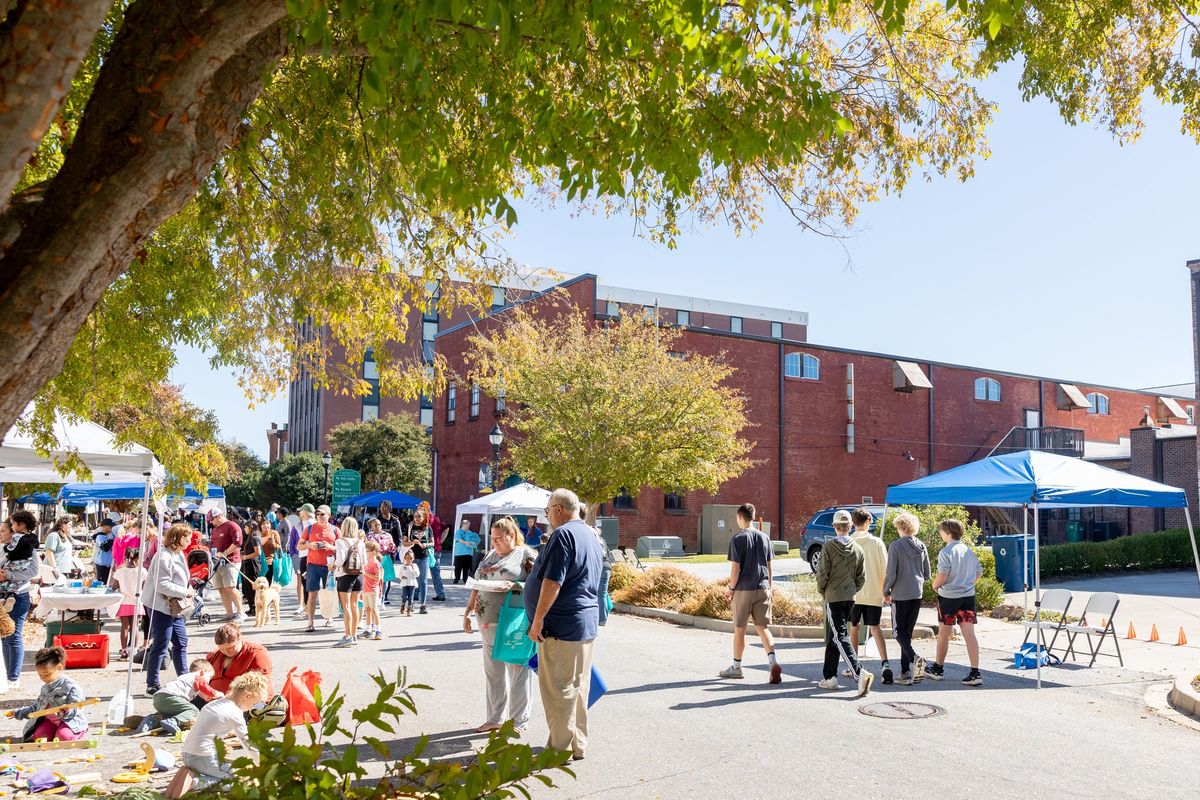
[1183,697]
[725,626]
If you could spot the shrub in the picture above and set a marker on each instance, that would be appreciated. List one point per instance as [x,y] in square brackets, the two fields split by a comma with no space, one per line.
[623,576]
[710,602]
[987,560]
[1165,550]
[788,609]
[661,587]
[989,593]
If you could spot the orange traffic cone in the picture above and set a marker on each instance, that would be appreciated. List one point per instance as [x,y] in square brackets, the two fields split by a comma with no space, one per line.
[1182,640]
[1153,633]
[1132,633]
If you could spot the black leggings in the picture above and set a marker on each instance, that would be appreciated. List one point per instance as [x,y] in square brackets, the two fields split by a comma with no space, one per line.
[904,619]
[462,567]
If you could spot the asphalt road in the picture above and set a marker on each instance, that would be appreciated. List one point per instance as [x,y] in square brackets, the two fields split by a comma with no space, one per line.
[670,729]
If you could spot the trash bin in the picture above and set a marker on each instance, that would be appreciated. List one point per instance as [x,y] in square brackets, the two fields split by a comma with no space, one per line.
[1010,558]
[1075,530]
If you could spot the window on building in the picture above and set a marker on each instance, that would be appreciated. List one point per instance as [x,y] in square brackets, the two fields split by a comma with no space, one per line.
[431,313]
[683,317]
[369,412]
[777,330]
[735,324]
[612,309]
[987,389]
[624,500]
[426,412]
[499,299]
[428,331]
[451,401]
[428,352]
[1191,415]
[501,401]
[370,401]
[473,410]
[675,354]
[802,365]
[672,502]
[648,313]
[1099,403]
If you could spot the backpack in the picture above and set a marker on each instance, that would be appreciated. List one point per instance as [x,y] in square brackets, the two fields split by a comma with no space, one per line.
[351,566]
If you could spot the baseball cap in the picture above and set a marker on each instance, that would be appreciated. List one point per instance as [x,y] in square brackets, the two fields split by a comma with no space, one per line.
[842,515]
[324,509]
[307,507]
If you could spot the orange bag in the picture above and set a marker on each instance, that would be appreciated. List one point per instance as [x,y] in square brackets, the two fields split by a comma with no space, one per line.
[298,692]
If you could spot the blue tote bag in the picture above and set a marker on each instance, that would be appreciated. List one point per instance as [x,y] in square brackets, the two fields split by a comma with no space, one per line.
[513,645]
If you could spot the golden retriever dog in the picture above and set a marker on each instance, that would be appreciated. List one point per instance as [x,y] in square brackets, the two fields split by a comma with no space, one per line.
[266,597]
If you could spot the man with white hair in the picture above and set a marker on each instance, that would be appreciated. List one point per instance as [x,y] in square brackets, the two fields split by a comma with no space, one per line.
[562,601]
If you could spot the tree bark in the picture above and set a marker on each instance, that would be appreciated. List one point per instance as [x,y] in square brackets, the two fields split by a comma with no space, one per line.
[42,44]
[171,96]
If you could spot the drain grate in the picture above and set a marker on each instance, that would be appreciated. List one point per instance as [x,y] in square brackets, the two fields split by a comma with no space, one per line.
[901,710]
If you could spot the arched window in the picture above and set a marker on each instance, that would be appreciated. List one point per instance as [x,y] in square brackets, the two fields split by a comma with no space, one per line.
[987,389]
[802,365]
[1099,403]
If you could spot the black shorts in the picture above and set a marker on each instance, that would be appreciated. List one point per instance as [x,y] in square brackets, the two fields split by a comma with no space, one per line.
[349,583]
[956,610]
[865,615]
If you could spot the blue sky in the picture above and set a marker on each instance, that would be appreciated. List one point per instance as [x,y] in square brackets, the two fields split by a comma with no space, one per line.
[1065,256]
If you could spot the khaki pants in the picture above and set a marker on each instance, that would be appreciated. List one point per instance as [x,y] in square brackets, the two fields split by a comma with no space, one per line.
[507,685]
[565,677]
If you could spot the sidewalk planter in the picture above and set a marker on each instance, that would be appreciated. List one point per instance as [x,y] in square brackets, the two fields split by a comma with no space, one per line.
[725,626]
[1183,697]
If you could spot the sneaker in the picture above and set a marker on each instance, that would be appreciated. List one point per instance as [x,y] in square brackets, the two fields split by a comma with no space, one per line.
[865,679]
[918,670]
[732,671]
[345,641]
[377,636]
[973,678]
[905,679]
[440,598]
[300,612]
[14,686]
[151,690]
[887,676]
[169,728]
[776,674]
[366,635]
[847,673]
[423,611]
[830,683]
[935,672]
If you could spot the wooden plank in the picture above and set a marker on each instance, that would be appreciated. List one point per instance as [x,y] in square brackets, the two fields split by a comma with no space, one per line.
[35,747]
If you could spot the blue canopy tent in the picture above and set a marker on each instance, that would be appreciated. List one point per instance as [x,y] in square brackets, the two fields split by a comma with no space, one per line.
[399,500]
[38,498]
[82,493]
[1032,480]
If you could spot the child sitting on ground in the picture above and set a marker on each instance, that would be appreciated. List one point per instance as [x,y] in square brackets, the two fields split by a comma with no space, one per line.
[173,707]
[408,583]
[125,578]
[216,720]
[372,581]
[59,690]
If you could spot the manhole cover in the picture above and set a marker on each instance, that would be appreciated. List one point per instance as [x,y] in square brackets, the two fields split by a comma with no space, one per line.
[901,710]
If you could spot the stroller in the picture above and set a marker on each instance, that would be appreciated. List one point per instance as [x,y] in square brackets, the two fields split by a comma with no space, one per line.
[200,568]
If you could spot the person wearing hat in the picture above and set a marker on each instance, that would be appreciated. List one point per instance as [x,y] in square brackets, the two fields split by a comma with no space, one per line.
[840,574]
[225,542]
[318,543]
[102,541]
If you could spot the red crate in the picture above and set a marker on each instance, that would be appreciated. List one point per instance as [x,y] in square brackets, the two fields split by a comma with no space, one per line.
[84,651]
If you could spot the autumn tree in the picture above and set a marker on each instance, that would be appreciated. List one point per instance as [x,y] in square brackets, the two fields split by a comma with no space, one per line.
[601,408]
[391,452]
[215,173]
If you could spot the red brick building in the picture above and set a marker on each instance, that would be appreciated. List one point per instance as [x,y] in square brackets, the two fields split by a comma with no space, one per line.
[831,425]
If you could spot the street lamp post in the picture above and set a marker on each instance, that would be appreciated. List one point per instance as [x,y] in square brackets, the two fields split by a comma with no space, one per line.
[496,437]
[327,459]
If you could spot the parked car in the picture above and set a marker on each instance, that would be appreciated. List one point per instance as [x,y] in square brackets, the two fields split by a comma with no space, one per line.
[820,528]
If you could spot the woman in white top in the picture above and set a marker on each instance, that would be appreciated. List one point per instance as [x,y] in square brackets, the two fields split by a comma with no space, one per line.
[60,548]
[167,579]
[350,554]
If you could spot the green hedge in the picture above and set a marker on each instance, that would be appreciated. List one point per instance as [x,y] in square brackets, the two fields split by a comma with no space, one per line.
[1165,550]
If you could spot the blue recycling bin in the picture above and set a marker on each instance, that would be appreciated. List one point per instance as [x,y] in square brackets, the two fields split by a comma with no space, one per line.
[1010,558]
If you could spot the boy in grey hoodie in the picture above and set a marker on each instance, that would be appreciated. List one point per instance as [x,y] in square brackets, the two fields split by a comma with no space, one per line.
[903,585]
[840,574]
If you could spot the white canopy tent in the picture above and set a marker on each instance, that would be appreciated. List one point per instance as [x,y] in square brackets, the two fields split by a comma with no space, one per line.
[524,499]
[99,451]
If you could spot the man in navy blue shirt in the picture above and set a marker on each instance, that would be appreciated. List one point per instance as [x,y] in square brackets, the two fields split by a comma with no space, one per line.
[562,600]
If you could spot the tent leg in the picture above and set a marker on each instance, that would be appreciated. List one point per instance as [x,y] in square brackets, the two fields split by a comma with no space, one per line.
[1187,514]
[1037,589]
[1025,554]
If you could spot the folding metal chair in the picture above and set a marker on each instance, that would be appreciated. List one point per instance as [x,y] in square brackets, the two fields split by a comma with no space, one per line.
[1102,606]
[617,557]
[632,559]
[1056,601]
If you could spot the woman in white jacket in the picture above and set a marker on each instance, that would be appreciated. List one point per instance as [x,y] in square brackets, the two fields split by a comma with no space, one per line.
[167,578]
[350,556]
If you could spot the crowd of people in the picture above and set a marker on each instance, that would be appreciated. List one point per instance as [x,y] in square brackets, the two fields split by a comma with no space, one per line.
[856,577]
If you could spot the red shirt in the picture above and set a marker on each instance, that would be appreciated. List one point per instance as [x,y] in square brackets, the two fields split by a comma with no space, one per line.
[252,658]
[319,533]
[372,572]
[226,534]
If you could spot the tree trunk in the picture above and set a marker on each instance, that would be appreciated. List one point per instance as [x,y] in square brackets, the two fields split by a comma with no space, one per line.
[170,97]
[42,44]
